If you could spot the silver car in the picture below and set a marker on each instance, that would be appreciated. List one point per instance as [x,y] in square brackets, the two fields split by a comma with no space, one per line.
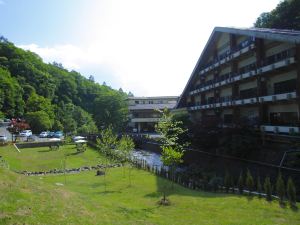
[3,138]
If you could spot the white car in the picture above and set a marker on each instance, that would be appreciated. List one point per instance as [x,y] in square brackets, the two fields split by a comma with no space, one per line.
[44,134]
[25,133]
[3,138]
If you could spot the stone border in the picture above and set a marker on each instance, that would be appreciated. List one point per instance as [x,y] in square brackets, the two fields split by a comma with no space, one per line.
[67,171]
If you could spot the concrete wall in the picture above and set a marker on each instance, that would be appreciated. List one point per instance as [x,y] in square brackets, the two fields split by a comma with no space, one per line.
[226,92]
[248,85]
[283,108]
[250,112]
[279,78]
[240,39]
[279,48]
[225,70]
[209,94]
[223,43]
[246,61]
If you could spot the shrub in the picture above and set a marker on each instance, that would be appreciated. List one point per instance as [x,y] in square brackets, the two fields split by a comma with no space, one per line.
[291,192]
[215,183]
[259,187]
[227,182]
[280,188]
[268,188]
[241,183]
[249,182]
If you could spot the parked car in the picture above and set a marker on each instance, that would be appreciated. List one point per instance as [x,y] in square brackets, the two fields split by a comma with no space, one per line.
[58,134]
[3,138]
[76,138]
[50,134]
[25,133]
[44,134]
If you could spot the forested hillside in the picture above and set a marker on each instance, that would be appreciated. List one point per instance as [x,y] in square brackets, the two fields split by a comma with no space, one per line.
[51,97]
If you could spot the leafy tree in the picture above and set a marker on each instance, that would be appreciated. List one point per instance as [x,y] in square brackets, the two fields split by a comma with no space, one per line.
[268,188]
[249,181]
[280,188]
[291,192]
[172,149]
[39,121]
[285,16]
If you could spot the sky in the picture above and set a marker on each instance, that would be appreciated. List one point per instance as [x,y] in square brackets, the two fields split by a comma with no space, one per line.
[148,47]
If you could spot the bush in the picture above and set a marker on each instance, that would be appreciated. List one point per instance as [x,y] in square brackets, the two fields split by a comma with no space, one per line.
[268,188]
[291,192]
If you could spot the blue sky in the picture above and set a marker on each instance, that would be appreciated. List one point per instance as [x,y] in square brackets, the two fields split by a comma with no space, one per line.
[148,47]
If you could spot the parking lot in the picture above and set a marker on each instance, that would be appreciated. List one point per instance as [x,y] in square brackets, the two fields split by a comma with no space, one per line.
[4,131]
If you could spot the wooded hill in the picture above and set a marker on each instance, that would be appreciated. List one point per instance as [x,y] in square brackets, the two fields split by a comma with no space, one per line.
[49,96]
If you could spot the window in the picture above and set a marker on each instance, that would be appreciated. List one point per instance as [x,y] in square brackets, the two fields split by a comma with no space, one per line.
[285,86]
[136,102]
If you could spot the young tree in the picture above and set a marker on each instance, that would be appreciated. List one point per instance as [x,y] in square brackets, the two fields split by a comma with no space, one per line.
[258,187]
[105,144]
[291,192]
[268,188]
[227,181]
[280,188]
[172,148]
[241,183]
[125,146]
[249,182]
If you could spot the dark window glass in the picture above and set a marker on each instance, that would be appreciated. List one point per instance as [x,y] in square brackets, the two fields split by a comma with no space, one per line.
[284,118]
[285,86]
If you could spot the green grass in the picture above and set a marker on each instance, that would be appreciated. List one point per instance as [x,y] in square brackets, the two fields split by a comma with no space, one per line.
[43,159]
[82,200]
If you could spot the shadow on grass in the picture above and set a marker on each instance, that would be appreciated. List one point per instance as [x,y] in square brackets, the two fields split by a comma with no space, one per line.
[74,153]
[47,150]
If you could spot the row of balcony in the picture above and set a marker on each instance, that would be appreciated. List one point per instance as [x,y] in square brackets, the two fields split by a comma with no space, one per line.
[240,49]
[231,78]
[254,100]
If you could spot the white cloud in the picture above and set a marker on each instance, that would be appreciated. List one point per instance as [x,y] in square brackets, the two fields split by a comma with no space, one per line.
[150,47]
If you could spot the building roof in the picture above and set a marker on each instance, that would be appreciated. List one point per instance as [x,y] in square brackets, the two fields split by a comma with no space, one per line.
[151,106]
[292,36]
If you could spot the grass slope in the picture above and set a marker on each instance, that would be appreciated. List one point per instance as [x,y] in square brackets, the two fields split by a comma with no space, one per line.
[82,200]
[43,159]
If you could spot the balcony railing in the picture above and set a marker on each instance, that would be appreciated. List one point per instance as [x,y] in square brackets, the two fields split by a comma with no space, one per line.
[249,71]
[280,129]
[229,54]
[225,102]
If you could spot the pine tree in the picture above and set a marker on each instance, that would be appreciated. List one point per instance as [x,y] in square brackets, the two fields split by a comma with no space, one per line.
[291,192]
[249,182]
[268,188]
[241,183]
[227,181]
[259,187]
[280,188]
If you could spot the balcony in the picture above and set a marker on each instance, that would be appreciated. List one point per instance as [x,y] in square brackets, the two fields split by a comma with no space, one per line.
[245,101]
[242,48]
[144,120]
[278,97]
[279,129]
[270,64]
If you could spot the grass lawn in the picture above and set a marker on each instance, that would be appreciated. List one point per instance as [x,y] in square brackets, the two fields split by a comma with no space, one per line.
[43,159]
[82,200]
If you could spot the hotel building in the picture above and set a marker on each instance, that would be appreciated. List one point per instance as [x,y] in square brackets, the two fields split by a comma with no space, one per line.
[143,112]
[247,77]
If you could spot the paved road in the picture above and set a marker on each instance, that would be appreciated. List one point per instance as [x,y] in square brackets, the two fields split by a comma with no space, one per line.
[3,131]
